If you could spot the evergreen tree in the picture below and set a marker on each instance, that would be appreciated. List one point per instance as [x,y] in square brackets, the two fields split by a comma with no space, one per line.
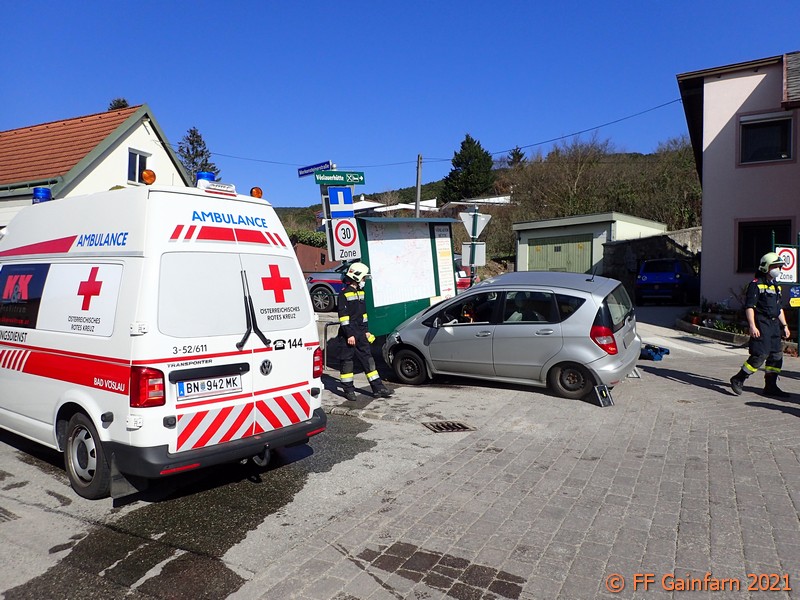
[118,103]
[515,157]
[471,176]
[194,155]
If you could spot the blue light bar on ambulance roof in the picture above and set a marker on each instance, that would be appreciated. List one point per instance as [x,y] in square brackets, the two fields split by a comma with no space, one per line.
[204,176]
[41,194]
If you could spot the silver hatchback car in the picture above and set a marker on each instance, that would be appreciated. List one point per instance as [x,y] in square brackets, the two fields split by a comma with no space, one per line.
[568,331]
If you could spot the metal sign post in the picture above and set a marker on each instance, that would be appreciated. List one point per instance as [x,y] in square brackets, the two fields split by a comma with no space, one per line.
[474,222]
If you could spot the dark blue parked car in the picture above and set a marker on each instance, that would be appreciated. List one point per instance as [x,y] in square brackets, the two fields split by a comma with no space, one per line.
[667,279]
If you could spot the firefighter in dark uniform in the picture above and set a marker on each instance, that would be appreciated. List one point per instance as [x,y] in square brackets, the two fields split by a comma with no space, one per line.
[767,326]
[355,336]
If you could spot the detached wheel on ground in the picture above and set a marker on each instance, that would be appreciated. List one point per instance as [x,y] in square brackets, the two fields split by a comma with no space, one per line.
[322,299]
[570,380]
[409,367]
[84,459]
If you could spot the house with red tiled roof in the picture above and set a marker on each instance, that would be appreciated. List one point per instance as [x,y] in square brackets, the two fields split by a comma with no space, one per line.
[82,155]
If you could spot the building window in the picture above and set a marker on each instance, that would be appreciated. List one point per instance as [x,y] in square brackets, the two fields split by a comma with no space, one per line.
[765,138]
[756,239]
[137,162]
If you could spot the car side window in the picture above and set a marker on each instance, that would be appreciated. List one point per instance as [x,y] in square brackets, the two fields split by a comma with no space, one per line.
[476,308]
[529,307]
[567,305]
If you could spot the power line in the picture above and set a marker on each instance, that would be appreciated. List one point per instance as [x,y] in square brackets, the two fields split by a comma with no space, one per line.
[434,160]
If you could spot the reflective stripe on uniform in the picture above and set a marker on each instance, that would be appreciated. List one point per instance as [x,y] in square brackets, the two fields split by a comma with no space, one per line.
[746,366]
[345,377]
[769,369]
[372,375]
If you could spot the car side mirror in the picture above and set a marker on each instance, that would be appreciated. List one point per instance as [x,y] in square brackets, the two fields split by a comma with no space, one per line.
[436,323]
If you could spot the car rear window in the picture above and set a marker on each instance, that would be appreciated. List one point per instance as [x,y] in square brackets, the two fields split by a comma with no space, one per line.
[619,307]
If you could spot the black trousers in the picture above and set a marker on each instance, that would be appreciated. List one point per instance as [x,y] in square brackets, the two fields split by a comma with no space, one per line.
[363,354]
[766,349]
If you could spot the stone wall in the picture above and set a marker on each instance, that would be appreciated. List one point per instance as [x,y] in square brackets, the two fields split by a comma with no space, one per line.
[622,259]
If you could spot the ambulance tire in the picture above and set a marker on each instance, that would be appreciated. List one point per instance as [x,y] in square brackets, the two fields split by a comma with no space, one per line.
[85,461]
[409,367]
[570,380]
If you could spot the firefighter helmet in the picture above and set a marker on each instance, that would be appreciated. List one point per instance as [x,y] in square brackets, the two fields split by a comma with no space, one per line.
[357,272]
[768,260]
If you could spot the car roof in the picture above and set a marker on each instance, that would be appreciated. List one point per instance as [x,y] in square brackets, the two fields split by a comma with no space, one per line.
[574,281]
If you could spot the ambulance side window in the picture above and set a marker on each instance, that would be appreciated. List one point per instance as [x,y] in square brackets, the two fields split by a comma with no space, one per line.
[200,294]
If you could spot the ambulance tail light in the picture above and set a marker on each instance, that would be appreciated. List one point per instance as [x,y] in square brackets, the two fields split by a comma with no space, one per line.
[318,364]
[147,388]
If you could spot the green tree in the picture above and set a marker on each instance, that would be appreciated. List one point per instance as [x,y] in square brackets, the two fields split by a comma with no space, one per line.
[471,175]
[118,103]
[515,158]
[194,155]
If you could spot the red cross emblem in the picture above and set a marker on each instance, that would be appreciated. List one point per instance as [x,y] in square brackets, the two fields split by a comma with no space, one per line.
[277,284]
[90,288]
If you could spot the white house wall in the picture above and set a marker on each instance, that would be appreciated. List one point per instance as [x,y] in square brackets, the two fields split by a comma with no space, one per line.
[111,169]
[732,193]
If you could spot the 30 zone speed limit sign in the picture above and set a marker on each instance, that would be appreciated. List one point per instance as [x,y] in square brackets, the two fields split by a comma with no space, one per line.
[345,240]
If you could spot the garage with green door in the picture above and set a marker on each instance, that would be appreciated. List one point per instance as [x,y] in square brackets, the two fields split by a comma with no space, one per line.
[575,244]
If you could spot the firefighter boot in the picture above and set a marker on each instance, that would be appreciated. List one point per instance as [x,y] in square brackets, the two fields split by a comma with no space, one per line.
[771,386]
[350,394]
[737,383]
[382,392]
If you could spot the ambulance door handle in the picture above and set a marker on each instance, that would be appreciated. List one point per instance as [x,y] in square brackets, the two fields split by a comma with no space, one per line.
[545,332]
[483,334]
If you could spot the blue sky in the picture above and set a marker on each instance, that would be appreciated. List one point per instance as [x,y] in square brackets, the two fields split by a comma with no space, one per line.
[274,86]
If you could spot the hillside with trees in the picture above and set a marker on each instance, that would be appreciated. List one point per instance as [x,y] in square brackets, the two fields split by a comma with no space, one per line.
[575,177]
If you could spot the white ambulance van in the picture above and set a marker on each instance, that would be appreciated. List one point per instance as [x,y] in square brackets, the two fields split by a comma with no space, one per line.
[154,330]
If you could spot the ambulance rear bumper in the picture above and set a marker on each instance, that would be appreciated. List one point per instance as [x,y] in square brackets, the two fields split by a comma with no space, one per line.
[155,462]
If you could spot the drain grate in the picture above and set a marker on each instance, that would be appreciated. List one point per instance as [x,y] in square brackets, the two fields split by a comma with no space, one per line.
[445,426]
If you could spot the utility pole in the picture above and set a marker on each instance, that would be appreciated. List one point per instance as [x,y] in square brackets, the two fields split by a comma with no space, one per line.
[419,185]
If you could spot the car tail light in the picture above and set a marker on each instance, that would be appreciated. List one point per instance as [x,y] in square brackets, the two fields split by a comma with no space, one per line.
[604,337]
[319,365]
[147,387]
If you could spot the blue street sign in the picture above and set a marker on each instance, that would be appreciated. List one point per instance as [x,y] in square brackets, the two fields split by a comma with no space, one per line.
[340,200]
[310,169]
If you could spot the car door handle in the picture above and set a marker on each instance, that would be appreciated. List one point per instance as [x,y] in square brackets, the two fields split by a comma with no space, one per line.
[483,334]
[545,332]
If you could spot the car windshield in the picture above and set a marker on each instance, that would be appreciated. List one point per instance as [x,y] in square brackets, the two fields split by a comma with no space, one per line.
[658,266]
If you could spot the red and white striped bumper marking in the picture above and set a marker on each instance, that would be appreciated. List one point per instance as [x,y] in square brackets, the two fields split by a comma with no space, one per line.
[14,360]
[210,427]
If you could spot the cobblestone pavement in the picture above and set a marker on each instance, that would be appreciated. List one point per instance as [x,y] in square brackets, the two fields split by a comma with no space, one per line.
[550,498]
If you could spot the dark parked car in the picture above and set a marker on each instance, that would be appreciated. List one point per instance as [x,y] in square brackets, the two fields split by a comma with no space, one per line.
[324,287]
[670,279]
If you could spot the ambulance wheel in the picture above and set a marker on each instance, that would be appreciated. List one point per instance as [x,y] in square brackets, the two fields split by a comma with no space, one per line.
[570,380]
[322,299]
[409,367]
[85,461]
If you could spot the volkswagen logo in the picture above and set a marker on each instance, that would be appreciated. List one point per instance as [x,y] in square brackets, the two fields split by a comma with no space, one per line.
[266,368]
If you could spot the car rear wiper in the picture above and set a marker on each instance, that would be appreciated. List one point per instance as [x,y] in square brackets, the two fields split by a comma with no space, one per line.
[250,314]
